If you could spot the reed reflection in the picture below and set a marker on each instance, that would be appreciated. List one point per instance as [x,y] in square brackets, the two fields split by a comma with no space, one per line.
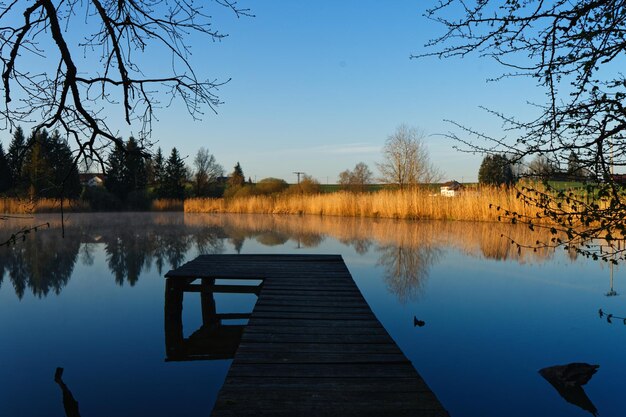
[133,243]
[405,250]
[476,239]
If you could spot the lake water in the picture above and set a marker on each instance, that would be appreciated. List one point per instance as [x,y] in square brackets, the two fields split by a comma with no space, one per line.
[93,304]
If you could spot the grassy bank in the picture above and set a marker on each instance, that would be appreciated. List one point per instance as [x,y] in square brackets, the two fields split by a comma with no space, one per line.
[398,204]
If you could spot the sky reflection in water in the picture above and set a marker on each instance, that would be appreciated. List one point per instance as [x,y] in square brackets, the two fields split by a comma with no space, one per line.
[93,304]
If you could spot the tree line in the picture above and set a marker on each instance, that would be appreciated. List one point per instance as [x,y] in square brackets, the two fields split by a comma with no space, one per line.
[43,165]
[498,169]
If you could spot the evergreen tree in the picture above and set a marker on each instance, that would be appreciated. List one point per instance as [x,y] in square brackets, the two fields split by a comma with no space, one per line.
[173,185]
[35,170]
[495,170]
[158,172]
[6,178]
[48,168]
[65,180]
[116,173]
[15,156]
[236,178]
[135,166]
[126,172]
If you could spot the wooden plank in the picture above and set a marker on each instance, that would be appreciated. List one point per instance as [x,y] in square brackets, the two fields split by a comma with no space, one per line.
[282,411]
[248,346]
[329,400]
[329,384]
[321,370]
[314,316]
[312,338]
[319,358]
[314,323]
[311,309]
[313,330]
[312,303]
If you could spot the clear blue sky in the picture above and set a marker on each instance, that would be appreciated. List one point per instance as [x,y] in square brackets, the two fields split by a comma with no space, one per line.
[317,86]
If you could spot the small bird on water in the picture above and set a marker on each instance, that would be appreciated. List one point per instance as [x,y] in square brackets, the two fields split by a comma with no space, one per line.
[418,323]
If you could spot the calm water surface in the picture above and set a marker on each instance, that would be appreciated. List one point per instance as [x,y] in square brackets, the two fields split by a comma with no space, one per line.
[93,303]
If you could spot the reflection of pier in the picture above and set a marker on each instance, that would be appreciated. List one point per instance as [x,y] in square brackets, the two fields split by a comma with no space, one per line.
[312,345]
[215,339]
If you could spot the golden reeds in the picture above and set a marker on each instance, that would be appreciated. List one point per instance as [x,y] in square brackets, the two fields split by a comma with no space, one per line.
[39,205]
[473,205]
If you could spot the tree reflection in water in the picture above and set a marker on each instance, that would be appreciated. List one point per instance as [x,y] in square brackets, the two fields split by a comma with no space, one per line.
[133,242]
[406,268]
[45,261]
[33,264]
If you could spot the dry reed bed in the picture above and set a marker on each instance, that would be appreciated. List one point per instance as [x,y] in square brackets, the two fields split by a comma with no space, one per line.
[40,205]
[411,204]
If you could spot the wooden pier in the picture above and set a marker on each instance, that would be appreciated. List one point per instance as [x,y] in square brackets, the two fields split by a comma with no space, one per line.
[312,345]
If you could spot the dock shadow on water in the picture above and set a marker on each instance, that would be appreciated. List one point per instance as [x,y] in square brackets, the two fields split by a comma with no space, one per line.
[220,333]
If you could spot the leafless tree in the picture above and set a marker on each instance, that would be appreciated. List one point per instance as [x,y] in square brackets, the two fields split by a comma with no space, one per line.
[406,160]
[356,180]
[207,171]
[573,50]
[65,64]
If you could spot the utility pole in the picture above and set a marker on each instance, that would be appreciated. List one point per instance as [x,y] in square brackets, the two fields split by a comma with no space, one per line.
[298,173]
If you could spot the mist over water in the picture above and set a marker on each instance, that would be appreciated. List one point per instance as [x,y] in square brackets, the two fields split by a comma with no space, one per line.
[489,317]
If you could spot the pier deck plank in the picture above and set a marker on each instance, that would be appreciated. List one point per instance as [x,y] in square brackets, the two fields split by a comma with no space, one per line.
[312,345]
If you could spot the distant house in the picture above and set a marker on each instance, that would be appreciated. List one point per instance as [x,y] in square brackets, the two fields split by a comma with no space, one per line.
[90,179]
[451,188]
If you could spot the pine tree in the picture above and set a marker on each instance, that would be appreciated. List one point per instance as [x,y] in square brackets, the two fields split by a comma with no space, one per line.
[236,178]
[116,173]
[15,155]
[173,185]
[158,172]
[126,171]
[495,170]
[49,168]
[36,171]
[6,179]
[135,166]
[65,180]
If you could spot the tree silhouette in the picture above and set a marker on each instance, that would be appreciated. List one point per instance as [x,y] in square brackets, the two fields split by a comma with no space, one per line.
[48,50]
[571,50]
[175,176]
[6,179]
[495,170]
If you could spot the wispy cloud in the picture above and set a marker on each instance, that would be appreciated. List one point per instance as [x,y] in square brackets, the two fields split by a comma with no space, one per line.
[339,149]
